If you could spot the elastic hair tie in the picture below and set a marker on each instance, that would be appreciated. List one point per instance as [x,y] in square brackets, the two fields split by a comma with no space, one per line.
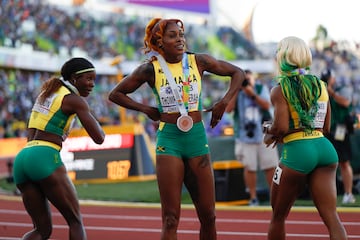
[298,71]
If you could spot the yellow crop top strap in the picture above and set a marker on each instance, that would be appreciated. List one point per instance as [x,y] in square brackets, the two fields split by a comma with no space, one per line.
[294,121]
[190,86]
[49,117]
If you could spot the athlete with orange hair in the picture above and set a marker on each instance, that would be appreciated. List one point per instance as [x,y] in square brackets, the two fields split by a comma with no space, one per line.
[182,152]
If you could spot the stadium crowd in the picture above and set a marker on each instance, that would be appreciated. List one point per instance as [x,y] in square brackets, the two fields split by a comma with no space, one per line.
[60,31]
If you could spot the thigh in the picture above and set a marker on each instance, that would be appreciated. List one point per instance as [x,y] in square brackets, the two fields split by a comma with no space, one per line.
[36,204]
[199,180]
[322,183]
[286,187]
[61,192]
[170,177]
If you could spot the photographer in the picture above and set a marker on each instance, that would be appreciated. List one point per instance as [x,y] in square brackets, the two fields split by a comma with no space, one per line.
[342,126]
[251,108]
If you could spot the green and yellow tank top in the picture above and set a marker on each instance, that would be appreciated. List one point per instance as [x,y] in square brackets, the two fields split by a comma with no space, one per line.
[294,121]
[49,117]
[190,85]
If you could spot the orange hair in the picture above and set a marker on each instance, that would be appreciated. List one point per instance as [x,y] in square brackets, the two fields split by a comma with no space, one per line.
[154,32]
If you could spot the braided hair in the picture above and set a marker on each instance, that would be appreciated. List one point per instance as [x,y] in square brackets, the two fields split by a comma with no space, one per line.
[301,89]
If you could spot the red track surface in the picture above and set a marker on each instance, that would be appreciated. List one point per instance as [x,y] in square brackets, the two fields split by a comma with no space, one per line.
[139,221]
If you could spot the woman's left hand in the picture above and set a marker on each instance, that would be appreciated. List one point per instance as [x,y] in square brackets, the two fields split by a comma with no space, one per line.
[217,113]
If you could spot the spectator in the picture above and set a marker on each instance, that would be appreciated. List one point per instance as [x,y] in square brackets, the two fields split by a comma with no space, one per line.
[251,108]
[342,126]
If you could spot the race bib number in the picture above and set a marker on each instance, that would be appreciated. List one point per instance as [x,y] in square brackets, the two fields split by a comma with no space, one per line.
[277,175]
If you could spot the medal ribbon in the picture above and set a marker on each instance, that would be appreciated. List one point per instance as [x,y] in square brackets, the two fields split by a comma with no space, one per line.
[173,85]
[186,83]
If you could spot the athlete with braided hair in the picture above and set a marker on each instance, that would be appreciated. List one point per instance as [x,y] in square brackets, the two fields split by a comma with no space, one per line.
[39,172]
[301,116]
[182,153]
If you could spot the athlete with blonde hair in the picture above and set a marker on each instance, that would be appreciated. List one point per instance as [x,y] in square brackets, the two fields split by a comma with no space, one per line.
[301,117]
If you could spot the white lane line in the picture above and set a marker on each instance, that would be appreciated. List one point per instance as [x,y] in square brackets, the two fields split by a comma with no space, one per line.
[183,219]
[190,232]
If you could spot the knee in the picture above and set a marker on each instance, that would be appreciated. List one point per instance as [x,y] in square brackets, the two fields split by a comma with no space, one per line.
[279,216]
[44,232]
[207,219]
[47,233]
[44,229]
[170,221]
[75,222]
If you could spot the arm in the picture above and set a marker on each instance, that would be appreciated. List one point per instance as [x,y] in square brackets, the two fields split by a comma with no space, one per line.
[119,95]
[341,100]
[207,63]
[232,104]
[31,134]
[262,102]
[327,123]
[280,125]
[75,104]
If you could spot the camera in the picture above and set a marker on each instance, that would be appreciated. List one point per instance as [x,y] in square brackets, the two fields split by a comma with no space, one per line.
[245,82]
[326,75]
[250,128]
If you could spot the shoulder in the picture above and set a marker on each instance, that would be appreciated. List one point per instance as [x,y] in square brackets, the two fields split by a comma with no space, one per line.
[145,68]
[276,91]
[206,62]
[73,103]
[144,71]
[203,58]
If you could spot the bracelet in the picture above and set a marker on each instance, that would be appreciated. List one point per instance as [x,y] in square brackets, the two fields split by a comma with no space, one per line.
[253,97]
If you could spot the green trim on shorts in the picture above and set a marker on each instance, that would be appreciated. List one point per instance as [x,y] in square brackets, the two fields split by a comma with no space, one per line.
[306,155]
[35,163]
[174,142]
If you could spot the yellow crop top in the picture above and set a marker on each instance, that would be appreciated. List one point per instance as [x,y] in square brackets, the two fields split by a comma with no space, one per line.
[190,88]
[49,117]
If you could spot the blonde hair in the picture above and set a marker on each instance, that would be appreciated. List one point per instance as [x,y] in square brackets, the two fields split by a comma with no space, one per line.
[293,53]
[301,89]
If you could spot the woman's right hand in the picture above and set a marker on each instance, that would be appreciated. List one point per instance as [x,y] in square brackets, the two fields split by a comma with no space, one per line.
[153,113]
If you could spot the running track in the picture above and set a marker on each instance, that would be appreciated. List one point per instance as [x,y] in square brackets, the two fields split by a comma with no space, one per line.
[113,221]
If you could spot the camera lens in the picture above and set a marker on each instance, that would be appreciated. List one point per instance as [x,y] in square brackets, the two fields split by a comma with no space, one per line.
[250,134]
[250,127]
